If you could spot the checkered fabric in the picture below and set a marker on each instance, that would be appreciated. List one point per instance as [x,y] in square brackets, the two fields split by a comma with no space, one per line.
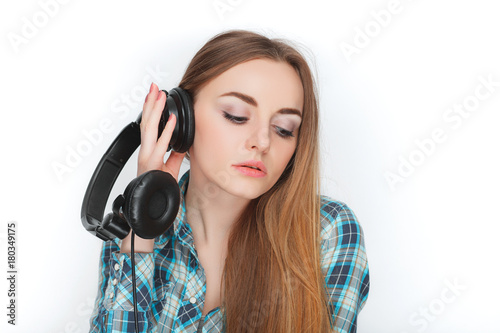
[171,283]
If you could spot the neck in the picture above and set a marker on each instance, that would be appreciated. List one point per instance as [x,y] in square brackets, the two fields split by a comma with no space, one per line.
[210,211]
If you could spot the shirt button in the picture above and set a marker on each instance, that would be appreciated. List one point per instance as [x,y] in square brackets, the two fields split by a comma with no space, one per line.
[110,295]
[117,266]
[192,300]
[115,281]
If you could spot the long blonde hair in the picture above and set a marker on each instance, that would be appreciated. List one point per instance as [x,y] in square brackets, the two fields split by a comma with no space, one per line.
[272,277]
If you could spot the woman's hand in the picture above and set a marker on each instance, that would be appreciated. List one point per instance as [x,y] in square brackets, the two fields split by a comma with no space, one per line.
[152,152]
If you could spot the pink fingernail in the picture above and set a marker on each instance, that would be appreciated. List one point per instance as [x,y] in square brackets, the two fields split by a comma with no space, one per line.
[151,88]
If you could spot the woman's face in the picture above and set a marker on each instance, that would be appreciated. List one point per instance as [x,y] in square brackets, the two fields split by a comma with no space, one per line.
[251,113]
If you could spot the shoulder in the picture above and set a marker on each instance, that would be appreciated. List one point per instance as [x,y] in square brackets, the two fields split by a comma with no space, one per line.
[343,259]
[339,220]
[342,242]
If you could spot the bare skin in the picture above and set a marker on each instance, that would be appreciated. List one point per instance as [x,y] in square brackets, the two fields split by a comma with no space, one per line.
[218,191]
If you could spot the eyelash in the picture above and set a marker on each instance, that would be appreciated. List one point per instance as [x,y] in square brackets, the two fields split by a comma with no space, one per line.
[241,120]
[234,119]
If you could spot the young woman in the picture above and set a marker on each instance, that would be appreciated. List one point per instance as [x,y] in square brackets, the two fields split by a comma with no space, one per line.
[254,247]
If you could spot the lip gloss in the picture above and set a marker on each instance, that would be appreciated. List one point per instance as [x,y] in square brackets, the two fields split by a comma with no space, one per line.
[249,171]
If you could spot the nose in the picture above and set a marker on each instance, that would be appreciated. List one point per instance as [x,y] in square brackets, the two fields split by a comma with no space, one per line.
[259,140]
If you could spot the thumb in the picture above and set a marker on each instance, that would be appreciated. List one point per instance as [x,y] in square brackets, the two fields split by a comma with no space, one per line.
[173,163]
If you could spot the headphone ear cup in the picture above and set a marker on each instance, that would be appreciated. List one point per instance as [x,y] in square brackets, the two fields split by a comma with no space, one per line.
[151,203]
[182,105]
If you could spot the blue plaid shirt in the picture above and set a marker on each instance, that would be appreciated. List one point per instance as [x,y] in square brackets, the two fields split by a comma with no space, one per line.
[171,283]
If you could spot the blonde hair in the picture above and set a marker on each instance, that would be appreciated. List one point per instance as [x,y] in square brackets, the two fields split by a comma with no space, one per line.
[272,277]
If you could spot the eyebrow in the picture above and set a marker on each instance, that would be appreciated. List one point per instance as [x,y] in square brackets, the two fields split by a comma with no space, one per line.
[250,100]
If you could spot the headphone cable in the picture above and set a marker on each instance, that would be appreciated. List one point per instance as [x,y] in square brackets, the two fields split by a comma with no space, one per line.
[133,281]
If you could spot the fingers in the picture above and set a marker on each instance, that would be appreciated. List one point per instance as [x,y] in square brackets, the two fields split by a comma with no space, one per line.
[151,114]
[153,149]
[162,145]
[174,161]
[151,97]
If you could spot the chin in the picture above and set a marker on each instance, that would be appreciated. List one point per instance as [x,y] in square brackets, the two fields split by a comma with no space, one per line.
[249,189]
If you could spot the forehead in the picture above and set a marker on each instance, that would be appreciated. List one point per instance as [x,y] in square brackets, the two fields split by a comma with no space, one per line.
[271,83]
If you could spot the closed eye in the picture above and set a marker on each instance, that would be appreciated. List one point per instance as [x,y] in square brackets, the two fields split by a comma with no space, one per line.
[283,132]
[234,119]
[241,120]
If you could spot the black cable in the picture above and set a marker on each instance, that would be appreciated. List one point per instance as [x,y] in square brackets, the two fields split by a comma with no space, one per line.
[133,281]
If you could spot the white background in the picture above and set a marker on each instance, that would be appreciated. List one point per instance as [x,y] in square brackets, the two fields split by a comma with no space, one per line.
[432,238]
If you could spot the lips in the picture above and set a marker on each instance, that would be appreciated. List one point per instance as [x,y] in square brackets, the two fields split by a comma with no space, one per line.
[252,164]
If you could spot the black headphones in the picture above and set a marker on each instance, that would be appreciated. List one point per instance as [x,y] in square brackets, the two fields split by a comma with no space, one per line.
[150,203]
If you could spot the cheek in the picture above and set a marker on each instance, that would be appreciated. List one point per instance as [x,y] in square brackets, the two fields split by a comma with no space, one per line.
[287,155]
[277,163]
[213,139]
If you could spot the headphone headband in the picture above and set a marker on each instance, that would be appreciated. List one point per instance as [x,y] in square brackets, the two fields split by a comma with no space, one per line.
[104,177]
[111,164]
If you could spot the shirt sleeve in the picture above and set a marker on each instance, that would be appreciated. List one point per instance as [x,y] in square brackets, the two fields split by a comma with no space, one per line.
[114,306]
[344,264]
